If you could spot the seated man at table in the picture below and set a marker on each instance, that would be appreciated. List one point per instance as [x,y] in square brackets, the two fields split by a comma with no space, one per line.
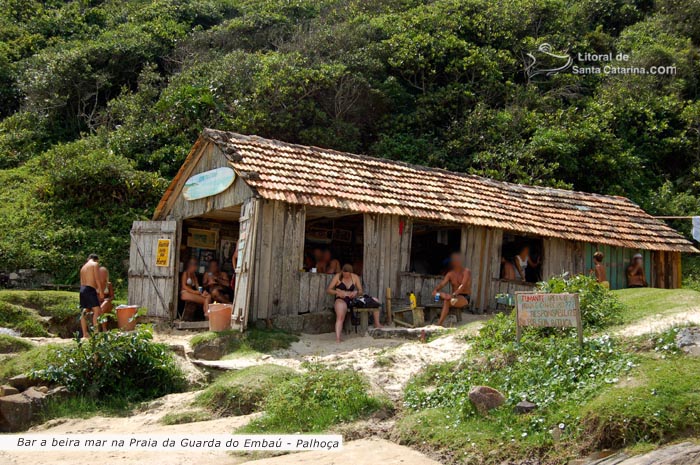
[460,280]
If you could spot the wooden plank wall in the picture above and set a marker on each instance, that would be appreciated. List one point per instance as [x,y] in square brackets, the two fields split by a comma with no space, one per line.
[562,256]
[145,235]
[387,251]
[482,255]
[420,284]
[666,270]
[209,158]
[279,257]
[312,292]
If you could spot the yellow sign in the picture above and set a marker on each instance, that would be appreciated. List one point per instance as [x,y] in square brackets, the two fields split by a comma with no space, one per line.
[163,252]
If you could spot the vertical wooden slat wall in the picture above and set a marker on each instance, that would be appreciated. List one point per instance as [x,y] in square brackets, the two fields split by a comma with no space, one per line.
[387,246]
[482,253]
[279,257]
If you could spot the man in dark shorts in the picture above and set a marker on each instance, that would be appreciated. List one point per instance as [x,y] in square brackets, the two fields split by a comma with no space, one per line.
[460,280]
[91,293]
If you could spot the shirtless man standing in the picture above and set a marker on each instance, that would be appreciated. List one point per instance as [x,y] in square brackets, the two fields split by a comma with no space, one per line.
[598,269]
[635,272]
[91,293]
[460,280]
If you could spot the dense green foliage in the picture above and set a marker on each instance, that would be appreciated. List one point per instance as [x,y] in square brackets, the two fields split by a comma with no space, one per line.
[111,364]
[242,392]
[315,400]
[36,358]
[599,306]
[100,100]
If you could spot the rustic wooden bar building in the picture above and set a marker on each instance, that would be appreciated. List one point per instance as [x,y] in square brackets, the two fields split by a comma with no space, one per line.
[395,222]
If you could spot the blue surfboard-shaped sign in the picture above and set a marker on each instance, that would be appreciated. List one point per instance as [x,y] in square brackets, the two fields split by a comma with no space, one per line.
[208,183]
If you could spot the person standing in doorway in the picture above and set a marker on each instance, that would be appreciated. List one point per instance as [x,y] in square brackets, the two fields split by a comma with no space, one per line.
[522,261]
[598,270]
[91,293]
[460,280]
[635,272]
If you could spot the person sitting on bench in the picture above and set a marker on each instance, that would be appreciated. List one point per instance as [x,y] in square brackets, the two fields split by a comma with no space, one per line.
[190,291]
[460,279]
[345,287]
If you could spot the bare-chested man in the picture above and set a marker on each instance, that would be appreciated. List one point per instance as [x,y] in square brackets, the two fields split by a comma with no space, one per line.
[635,272]
[460,280]
[91,293]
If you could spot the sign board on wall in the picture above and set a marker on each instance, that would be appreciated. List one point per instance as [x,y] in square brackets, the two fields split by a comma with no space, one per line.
[548,310]
[163,252]
[208,183]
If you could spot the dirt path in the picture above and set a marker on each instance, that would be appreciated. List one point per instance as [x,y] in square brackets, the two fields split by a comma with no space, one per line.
[661,322]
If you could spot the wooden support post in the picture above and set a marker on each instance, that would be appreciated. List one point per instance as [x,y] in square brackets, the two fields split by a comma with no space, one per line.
[389,315]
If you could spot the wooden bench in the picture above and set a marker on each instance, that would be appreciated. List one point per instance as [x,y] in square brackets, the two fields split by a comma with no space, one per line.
[364,320]
[417,316]
[432,311]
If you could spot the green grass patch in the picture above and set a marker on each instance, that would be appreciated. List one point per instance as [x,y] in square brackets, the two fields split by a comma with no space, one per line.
[315,400]
[36,358]
[10,344]
[87,407]
[242,392]
[188,416]
[646,302]
[26,321]
[659,404]
[56,304]
[251,342]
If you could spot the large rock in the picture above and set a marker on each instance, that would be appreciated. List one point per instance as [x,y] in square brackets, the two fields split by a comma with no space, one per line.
[7,390]
[688,340]
[16,411]
[486,398]
[525,406]
[22,382]
[318,323]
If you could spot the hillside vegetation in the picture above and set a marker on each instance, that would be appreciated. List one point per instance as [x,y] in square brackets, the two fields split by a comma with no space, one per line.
[101,100]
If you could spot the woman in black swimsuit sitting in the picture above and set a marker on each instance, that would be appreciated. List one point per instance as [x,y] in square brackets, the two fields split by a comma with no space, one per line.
[345,286]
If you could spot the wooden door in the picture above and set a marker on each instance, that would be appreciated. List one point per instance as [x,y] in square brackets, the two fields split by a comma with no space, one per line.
[244,265]
[152,267]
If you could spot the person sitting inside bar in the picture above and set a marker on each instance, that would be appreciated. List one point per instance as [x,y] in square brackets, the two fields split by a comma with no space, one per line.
[598,270]
[217,283]
[191,292]
[522,261]
[635,272]
[460,280]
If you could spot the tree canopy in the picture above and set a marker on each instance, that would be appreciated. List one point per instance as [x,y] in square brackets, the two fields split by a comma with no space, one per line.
[100,100]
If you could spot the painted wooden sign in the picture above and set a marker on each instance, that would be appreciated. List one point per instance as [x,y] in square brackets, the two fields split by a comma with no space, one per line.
[208,183]
[163,252]
[548,310]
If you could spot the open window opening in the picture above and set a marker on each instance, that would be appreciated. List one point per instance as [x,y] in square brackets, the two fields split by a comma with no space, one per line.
[206,266]
[333,239]
[431,246]
[521,258]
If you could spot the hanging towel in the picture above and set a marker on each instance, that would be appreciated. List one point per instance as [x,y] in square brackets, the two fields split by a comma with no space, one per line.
[696,228]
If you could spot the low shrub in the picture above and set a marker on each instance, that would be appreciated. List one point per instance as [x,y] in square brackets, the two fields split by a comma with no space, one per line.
[10,344]
[600,308]
[315,400]
[242,392]
[116,364]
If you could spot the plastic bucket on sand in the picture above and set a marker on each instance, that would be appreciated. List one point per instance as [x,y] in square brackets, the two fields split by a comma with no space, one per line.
[124,314]
[220,317]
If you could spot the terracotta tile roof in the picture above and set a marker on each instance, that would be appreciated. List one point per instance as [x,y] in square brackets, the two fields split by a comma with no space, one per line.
[327,178]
